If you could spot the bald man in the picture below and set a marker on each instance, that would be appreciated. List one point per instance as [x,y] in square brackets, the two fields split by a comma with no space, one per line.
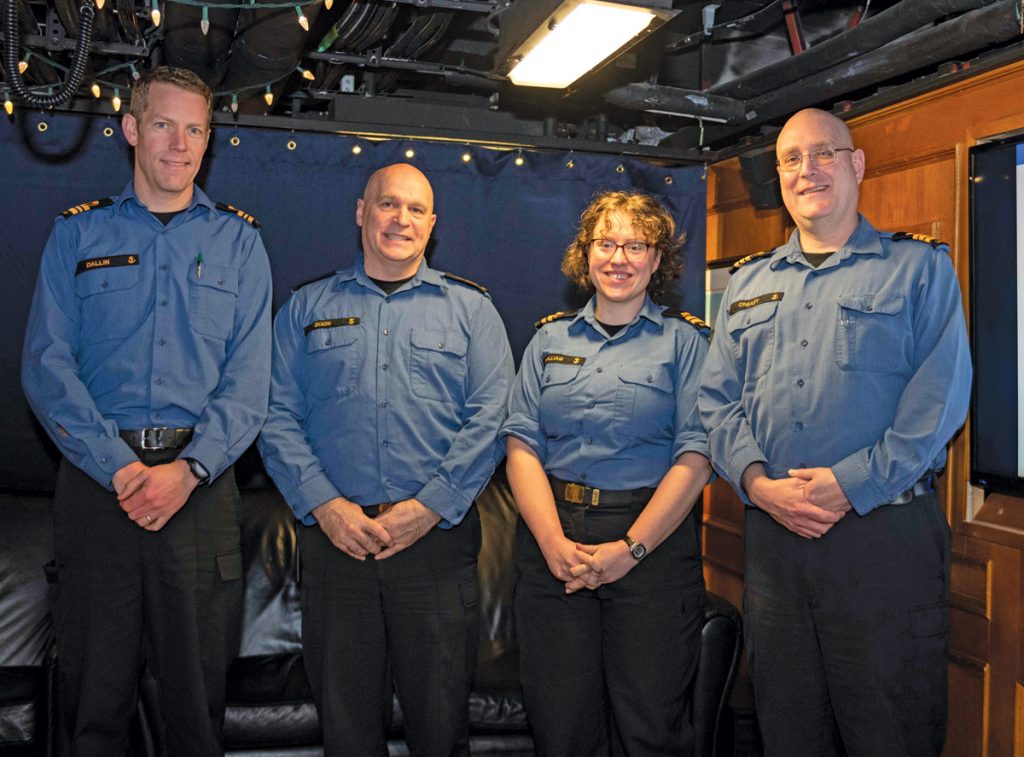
[838,372]
[388,388]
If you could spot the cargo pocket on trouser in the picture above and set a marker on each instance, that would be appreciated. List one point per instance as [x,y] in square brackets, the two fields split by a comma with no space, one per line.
[924,678]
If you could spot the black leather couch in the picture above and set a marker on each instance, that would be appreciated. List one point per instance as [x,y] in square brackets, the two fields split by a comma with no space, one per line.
[270,710]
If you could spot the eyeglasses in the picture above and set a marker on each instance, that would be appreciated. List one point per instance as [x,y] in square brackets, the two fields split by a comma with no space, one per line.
[822,157]
[635,250]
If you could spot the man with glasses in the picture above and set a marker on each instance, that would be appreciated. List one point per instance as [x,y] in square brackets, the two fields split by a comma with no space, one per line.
[147,361]
[389,385]
[838,372]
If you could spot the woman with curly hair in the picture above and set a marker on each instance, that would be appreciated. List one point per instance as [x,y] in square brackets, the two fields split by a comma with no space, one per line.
[606,457]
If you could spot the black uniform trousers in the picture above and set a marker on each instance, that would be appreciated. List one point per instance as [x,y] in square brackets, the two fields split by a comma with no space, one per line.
[123,596]
[847,635]
[611,670]
[409,622]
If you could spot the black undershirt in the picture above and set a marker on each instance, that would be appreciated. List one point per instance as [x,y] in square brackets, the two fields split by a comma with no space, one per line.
[613,328]
[165,218]
[390,286]
[817,258]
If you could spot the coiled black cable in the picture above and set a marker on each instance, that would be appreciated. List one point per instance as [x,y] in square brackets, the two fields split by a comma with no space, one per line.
[76,73]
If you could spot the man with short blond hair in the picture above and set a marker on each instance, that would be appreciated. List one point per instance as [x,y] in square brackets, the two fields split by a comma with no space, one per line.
[838,372]
[389,385]
[147,361]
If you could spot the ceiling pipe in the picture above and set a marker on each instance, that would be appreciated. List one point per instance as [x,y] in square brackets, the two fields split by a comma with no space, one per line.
[869,34]
[992,24]
[661,99]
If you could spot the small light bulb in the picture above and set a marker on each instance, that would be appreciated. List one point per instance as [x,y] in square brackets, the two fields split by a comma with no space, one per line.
[116,101]
[234,103]
[356,149]
[328,4]
[23,64]
[410,153]
[95,89]
[303,21]
[135,71]
[306,73]
[100,4]
[155,13]
[466,157]
[520,160]
[8,105]
[204,24]
[268,97]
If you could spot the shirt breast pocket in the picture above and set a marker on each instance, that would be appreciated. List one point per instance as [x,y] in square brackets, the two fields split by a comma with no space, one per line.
[645,401]
[437,365]
[333,360]
[753,333]
[556,392]
[112,306]
[212,298]
[870,331]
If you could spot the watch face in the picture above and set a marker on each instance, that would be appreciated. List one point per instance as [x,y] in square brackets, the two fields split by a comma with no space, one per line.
[638,551]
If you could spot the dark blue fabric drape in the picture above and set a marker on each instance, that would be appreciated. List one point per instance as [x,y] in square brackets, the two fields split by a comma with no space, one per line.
[500,224]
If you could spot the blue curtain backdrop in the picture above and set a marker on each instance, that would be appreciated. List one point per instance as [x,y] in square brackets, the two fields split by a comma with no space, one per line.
[500,224]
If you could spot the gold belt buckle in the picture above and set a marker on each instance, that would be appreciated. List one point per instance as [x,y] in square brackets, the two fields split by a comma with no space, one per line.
[575,493]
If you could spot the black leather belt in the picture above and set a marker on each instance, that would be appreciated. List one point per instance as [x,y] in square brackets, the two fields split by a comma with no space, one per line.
[157,438]
[588,496]
[925,485]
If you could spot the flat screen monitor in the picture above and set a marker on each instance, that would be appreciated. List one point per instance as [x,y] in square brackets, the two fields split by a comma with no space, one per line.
[997,314]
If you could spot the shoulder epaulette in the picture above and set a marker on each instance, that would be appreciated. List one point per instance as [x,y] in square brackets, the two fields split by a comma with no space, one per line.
[690,318]
[901,235]
[467,282]
[313,280]
[240,213]
[743,261]
[86,206]
[554,317]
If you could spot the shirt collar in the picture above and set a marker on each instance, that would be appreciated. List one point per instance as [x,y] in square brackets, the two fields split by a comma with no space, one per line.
[863,241]
[648,311]
[128,193]
[424,275]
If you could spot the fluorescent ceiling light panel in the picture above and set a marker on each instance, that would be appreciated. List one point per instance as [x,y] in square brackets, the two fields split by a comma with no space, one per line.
[584,38]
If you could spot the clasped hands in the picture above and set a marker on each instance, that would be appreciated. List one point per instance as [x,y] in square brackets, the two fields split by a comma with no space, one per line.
[587,566]
[357,535]
[152,495]
[808,503]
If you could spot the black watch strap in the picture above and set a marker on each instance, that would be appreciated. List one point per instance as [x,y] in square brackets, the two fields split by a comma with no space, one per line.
[197,469]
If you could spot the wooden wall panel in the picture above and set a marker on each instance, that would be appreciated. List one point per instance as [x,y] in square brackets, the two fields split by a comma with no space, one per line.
[917,181]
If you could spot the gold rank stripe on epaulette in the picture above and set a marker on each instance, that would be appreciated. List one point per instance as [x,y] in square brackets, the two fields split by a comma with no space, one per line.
[240,213]
[86,206]
[110,261]
[690,318]
[554,317]
[467,282]
[743,261]
[330,323]
[566,359]
[901,235]
[313,280]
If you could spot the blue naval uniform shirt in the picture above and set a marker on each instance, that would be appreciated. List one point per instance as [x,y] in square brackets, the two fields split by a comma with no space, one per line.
[123,333]
[380,398]
[861,366]
[610,412]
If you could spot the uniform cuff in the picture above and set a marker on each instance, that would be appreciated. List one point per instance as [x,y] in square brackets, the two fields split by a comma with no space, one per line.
[308,496]
[209,455]
[855,480]
[739,463]
[108,457]
[447,502]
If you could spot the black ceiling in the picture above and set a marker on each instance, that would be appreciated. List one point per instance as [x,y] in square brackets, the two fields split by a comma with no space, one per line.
[714,77]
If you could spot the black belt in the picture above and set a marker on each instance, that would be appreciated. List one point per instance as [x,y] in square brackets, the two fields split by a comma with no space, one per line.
[158,438]
[588,496]
[925,485]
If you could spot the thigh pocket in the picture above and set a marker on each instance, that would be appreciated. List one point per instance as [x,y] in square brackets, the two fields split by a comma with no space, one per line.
[229,565]
[211,301]
[929,620]
[870,331]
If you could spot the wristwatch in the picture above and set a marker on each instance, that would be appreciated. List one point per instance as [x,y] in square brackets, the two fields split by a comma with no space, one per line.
[638,550]
[196,469]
